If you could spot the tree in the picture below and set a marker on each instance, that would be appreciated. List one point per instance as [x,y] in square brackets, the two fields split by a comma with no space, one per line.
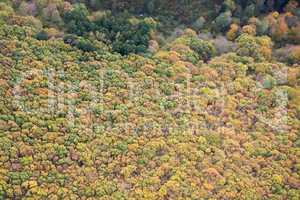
[126,35]
[223,21]
[42,35]
[5,12]
[256,47]
[294,55]
[294,35]
[279,30]
[223,45]
[51,15]
[233,32]
[229,5]
[199,23]
[85,45]
[262,26]
[249,30]
[77,20]
[204,49]
[249,12]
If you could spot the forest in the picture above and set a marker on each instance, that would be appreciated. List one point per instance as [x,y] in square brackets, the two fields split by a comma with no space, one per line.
[150,100]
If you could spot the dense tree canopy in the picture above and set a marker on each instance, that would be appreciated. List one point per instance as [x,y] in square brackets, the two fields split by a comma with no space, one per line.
[124,100]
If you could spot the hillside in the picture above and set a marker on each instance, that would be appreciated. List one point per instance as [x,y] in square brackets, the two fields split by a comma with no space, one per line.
[151,103]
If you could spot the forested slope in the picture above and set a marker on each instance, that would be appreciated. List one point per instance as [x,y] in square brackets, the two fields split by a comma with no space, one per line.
[98,105]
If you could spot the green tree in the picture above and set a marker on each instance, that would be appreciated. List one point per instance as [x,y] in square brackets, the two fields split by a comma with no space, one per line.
[42,35]
[206,50]
[223,21]
[77,20]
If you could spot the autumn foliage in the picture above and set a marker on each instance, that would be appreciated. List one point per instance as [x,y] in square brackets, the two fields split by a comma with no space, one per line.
[89,110]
